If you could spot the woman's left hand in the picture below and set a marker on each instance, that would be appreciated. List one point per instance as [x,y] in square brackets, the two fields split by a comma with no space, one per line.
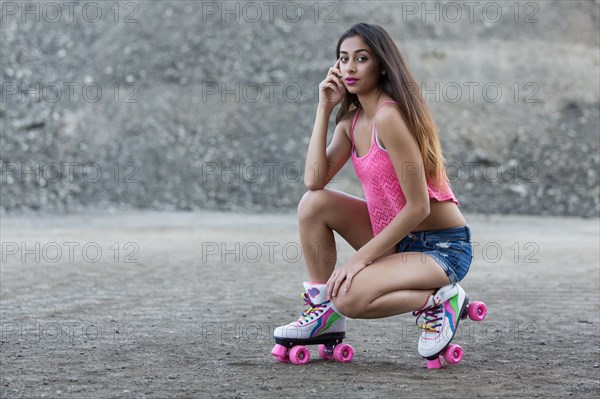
[345,273]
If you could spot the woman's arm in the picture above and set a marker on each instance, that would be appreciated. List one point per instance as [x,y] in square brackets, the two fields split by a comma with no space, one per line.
[404,153]
[322,164]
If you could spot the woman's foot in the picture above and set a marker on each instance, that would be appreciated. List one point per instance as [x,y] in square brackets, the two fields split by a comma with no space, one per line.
[439,319]
[320,318]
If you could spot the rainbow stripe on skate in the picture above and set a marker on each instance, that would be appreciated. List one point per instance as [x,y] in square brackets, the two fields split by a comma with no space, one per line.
[325,322]
[451,308]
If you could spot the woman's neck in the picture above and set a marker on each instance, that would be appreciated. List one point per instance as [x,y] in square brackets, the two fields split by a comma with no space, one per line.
[369,102]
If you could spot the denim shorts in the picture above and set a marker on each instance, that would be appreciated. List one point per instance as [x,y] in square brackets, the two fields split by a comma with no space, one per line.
[450,248]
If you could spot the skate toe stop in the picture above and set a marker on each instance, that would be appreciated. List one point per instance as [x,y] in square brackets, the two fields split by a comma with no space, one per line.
[434,364]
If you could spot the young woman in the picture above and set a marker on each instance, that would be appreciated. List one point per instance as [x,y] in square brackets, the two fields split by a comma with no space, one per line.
[412,242]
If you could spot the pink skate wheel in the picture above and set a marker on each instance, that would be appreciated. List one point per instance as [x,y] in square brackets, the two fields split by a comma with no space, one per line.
[434,364]
[343,353]
[453,354]
[323,354]
[477,311]
[299,355]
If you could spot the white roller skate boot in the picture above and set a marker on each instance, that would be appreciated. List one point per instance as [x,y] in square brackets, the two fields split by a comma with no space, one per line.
[439,319]
[320,323]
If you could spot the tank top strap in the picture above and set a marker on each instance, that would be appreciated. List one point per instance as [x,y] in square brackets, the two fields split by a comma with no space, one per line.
[383,103]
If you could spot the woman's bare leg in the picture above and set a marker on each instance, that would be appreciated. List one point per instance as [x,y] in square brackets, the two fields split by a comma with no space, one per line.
[320,212]
[391,285]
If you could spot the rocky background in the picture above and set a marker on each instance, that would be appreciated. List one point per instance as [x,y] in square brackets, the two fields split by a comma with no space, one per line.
[187,105]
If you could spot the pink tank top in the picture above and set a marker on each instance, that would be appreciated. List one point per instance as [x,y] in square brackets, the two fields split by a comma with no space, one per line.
[380,182]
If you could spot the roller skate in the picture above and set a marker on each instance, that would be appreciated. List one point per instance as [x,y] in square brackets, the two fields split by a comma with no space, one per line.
[321,324]
[441,314]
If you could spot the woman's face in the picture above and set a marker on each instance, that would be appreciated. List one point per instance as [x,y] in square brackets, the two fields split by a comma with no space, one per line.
[358,61]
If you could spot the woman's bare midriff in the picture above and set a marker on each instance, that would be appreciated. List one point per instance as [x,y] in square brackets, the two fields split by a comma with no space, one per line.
[442,215]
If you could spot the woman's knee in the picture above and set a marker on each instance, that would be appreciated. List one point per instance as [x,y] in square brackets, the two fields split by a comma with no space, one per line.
[347,304]
[312,204]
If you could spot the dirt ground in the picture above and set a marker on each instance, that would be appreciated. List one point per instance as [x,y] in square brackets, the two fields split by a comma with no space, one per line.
[155,305]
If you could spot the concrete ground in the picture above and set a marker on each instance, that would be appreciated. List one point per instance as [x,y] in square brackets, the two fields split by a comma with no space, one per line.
[155,305]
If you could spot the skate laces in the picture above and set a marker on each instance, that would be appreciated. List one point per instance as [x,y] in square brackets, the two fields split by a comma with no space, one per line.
[432,319]
[313,309]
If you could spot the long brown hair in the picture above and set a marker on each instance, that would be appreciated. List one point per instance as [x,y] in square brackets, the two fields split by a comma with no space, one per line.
[399,83]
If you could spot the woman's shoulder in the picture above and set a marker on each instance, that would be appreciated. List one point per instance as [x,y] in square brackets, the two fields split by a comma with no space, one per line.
[389,122]
[388,109]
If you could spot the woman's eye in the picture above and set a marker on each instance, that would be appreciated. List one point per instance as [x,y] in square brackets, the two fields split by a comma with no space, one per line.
[359,58]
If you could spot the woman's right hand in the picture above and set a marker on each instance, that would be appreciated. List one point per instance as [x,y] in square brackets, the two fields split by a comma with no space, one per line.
[332,90]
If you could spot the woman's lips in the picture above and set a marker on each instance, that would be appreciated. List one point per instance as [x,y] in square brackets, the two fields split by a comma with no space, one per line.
[351,81]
